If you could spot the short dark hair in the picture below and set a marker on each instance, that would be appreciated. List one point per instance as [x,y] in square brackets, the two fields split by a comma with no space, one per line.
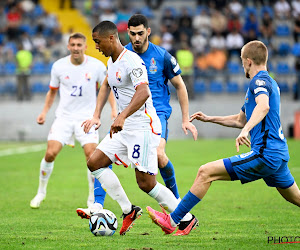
[106,28]
[77,35]
[138,19]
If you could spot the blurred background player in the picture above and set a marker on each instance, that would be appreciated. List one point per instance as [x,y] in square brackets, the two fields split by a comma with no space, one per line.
[161,67]
[77,77]
[269,156]
[134,134]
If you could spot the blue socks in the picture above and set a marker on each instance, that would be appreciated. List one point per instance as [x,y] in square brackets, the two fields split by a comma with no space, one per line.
[99,192]
[187,203]
[168,175]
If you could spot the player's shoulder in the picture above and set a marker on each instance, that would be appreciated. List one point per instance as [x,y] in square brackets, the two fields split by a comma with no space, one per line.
[261,79]
[153,48]
[131,57]
[62,61]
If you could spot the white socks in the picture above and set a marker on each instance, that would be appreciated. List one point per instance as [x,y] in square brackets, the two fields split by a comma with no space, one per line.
[111,184]
[166,199]
[45,173]
[91,181]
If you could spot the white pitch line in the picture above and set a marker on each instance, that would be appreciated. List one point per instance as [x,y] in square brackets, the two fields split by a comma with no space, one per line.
[22,150]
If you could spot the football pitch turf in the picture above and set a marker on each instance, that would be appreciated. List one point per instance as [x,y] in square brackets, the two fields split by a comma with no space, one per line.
[231,216]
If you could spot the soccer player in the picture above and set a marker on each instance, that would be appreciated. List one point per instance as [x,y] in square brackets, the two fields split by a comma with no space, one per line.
[135,133]
[77,76]
[269,156]
[161,67]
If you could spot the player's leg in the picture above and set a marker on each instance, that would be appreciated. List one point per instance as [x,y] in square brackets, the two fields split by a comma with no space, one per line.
[166,167]
[46,168]
[291,194]
[103,156]
[206,174]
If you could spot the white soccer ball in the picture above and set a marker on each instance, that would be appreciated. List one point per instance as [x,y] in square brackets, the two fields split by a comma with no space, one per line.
[103,223]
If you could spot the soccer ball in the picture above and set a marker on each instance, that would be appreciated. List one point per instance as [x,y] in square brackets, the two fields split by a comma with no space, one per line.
[103,223]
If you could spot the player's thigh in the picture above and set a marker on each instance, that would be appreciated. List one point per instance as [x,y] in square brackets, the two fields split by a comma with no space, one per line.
[114,148]
[142,150]
[62,131]
[291,194]
[89,149]
[92,137]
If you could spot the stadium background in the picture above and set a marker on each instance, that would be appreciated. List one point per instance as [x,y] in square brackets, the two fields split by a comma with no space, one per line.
[203,29]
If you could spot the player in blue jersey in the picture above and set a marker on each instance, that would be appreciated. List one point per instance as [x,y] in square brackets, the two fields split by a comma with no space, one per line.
[161,67]
[269,156]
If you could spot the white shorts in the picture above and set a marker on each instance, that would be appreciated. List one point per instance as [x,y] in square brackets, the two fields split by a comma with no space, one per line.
[138,148]
[64,130]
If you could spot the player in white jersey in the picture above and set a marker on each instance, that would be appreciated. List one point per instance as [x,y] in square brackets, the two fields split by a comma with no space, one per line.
[135,133]
[76,76]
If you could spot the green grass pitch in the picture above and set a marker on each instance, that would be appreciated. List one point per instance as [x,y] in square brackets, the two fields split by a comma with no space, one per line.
[231,216]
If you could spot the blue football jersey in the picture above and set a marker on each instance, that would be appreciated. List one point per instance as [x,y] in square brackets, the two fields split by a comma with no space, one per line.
[161,66]
[267,138]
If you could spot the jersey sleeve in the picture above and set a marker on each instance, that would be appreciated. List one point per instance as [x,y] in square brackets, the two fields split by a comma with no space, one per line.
[171,66]
[102,71]
[138,72]
[260,86]
[54,81]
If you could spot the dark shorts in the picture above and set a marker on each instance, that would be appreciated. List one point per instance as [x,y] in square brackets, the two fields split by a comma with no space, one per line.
[250,167]
[164,125]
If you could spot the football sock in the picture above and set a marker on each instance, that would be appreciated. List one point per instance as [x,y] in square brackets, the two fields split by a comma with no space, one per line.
[111,184]
[187,203]
[168,175]
[91,181]
[166,199]
[99,192]
[45,173]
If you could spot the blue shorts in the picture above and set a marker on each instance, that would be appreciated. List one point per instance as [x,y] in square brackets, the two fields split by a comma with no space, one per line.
[164,125]
[251,166]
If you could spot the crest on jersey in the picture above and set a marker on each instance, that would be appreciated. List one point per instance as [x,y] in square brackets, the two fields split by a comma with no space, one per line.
[260,82]
[118,75]
[137,72]
[88,76]
[152,67]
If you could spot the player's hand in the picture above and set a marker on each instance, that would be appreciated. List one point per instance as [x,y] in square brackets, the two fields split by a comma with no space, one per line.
[199,116]
[88,124]
[41,119]
[242,139]
[189,126]
[117,125]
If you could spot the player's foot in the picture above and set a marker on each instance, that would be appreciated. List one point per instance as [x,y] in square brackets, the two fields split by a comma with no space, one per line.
[129,218]
[86,213]
[163,220]
[37,200]
[185,227]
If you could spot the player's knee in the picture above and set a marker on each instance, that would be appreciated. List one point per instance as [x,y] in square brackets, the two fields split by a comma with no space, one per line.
[50,156]
[203,174]
[162,158]
[146,186]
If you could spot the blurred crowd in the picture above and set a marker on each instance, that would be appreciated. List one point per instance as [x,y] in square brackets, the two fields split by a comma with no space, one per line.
[203,35]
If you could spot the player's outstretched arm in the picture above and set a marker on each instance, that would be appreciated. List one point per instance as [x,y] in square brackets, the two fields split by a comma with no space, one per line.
[50,96]
[179,85]
[113,105]
[141,95]
[101,100]
[234,121]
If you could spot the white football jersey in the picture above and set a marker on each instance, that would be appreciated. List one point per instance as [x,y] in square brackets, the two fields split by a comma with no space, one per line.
[77,85]
[124,75]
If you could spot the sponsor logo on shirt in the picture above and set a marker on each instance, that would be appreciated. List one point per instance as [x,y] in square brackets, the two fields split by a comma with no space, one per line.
[152,67]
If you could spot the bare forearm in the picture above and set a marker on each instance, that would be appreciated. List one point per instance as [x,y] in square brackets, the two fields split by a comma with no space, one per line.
[232,121]
[49,100]
[184,103]
[101,100]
